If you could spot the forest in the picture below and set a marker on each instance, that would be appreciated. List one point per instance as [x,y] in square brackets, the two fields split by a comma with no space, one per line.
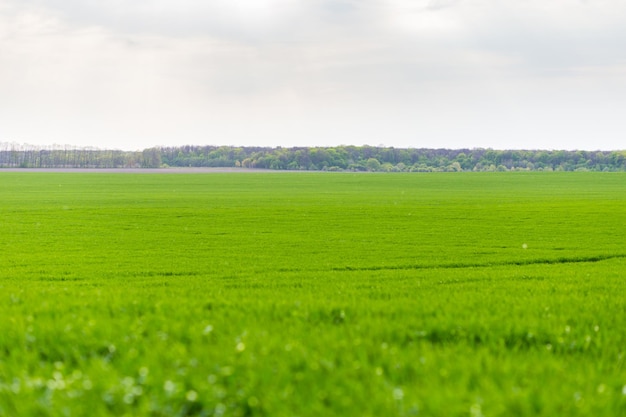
[338,158]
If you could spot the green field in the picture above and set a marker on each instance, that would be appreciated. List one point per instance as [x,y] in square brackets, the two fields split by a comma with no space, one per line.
[313,294]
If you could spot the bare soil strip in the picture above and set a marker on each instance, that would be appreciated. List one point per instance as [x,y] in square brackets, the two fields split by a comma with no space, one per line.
[140,170]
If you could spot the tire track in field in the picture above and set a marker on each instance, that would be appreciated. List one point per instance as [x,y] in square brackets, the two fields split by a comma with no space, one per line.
[461,265]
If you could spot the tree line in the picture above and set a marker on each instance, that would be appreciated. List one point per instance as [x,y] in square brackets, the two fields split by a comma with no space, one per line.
[338,158]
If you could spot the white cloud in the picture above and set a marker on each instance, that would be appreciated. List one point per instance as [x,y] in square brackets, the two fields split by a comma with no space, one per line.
[404,72]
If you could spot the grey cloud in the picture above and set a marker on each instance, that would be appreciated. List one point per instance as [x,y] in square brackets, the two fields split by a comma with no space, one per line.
[277,21]
[361,66]
[558,39]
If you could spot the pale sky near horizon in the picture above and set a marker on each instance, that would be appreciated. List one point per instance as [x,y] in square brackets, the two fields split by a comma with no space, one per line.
[518,74]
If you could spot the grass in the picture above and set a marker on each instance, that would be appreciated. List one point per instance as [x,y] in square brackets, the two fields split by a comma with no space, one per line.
[495,294]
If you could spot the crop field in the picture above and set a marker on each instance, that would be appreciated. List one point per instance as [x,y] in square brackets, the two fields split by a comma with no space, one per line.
[313,294]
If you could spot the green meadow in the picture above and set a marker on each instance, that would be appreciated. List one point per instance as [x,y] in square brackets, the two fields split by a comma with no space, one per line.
[313,294]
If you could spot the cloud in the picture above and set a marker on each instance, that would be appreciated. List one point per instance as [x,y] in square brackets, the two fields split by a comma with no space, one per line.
[320,70]
[551,36]
[534,35]
[254,21]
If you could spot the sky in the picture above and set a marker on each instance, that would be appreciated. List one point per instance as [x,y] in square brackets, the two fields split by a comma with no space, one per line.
[518,74]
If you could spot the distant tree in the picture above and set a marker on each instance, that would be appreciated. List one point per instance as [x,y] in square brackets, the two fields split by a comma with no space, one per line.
[351,158]
[372,164]
[151,158]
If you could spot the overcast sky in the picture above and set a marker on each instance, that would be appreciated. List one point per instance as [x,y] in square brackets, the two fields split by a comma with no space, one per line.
[519,74]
